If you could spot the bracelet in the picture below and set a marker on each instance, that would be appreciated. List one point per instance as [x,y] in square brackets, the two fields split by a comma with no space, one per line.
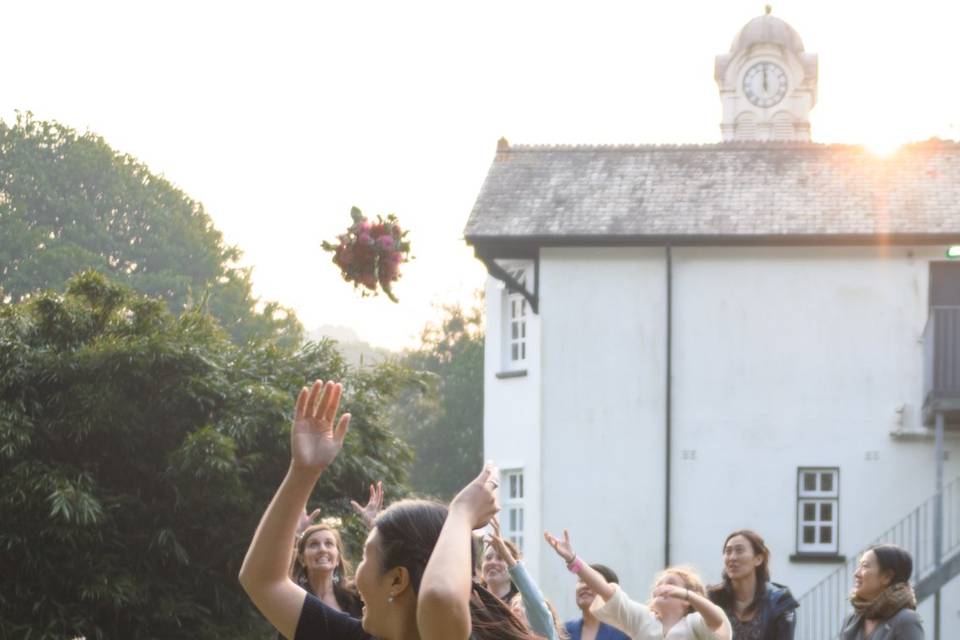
[575,565]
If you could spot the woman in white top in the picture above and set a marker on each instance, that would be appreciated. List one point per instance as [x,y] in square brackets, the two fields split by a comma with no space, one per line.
[678,608]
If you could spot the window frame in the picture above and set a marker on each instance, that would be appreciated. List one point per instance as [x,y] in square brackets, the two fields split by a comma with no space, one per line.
[520,341]
[512,501]
[819,498]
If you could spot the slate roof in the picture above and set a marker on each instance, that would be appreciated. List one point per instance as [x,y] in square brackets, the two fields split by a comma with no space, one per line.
[731,191]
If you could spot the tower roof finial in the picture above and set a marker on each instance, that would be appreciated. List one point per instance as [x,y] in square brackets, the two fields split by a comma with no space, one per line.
[767,9]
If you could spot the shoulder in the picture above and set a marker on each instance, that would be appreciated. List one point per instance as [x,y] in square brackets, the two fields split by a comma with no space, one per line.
[905,618]
[317,620]
[607,632]
[780,598]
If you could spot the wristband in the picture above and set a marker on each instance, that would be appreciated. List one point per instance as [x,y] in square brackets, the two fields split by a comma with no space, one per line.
[575,565]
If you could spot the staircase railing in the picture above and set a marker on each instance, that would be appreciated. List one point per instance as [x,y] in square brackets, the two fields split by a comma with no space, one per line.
[824,607]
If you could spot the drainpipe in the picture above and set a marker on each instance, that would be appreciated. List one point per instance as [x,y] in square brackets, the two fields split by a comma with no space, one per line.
[938,520]
[668,409]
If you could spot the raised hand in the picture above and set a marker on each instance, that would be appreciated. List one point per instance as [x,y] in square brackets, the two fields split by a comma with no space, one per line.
[369,513]
[563,547]
[314,443]
[307,520]
[478,500]
[495,540]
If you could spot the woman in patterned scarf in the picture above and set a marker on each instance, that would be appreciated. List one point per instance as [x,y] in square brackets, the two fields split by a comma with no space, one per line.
[884,606]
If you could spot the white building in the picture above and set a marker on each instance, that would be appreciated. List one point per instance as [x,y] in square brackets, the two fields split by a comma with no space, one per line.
[687,340]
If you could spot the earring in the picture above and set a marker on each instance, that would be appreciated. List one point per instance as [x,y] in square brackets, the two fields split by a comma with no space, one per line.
[390,599]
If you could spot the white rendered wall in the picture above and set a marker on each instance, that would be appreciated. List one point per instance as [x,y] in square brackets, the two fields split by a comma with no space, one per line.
[602,323]
[794,357]
[783,357]
[511,410]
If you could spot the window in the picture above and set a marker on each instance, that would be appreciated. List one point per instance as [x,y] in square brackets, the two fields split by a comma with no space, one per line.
[512,519]
[517,313]
[818,501]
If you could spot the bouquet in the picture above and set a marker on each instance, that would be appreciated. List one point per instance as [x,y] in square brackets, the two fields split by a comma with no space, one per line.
[369,254]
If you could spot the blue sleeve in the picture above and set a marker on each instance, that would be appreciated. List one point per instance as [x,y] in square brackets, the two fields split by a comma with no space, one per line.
[538,615]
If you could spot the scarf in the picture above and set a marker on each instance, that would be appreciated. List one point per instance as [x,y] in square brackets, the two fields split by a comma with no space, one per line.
[887,603]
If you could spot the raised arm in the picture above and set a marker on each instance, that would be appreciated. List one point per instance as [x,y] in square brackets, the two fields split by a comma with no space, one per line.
[592,578]
[443,605]
[314,444]
[534,604]
[713,616]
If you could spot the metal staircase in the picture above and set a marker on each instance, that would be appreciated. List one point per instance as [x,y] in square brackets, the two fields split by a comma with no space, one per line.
[931,533]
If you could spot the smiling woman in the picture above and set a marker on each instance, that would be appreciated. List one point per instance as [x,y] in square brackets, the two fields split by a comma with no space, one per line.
[758,609]
[321,568]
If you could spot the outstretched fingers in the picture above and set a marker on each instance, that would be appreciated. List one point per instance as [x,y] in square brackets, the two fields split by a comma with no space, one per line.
[332,403]
[342,427]
[309,409]
[301,408]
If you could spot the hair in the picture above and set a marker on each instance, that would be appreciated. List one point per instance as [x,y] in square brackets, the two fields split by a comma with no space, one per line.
[344,589]
[608,574]
[409,530]
[688,575]
[559,629]
[722,594]
[894,560]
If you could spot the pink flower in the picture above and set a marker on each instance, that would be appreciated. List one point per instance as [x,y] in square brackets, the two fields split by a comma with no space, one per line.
[365,239]
[385,243]
[364,226]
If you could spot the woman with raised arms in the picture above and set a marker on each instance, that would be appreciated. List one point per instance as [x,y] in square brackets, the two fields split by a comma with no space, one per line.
[415,577]
[678,608]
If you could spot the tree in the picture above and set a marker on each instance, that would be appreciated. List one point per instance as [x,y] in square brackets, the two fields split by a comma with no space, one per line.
[68,202]
[137,452]
[442,418]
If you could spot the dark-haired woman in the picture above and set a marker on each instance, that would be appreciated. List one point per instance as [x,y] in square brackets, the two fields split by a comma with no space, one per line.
[757,608]
[884,606]
[415,578]
[588,627]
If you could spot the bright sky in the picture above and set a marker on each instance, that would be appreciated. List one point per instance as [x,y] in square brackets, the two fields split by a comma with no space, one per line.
[279,116]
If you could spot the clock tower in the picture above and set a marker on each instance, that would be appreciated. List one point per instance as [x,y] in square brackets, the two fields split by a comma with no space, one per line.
[768,83]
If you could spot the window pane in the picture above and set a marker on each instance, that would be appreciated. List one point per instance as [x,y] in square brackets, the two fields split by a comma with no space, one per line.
[520,495]
[523,329]
[513,520]
[520,518]
[523,307]
[826,512]
[513,486]
[826,535]
[523,350]
[809,535]
[809,482]
[826,482]
[809,512]
[514,330]
[513,308]
[514,352]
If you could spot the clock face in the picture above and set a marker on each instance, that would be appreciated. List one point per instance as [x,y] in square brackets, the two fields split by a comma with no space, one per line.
[765,84]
